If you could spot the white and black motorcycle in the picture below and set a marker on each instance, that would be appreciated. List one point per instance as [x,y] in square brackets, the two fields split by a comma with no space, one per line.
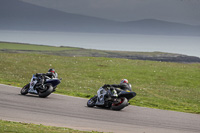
[44,90]
[106,99]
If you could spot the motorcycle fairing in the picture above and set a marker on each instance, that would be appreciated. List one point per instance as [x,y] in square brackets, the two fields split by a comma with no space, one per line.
[100,96]
[54,82]
[33,82]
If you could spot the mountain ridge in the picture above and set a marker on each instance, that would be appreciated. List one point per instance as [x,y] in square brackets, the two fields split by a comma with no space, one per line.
[18,15]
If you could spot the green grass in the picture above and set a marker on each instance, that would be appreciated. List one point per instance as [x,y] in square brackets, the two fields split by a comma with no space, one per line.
[162,85]
[18,127]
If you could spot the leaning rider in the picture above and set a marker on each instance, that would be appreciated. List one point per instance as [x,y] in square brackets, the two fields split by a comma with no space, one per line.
[42,78]
[124,85]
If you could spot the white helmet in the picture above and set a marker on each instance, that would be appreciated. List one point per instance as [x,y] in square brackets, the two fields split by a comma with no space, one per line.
[124,81]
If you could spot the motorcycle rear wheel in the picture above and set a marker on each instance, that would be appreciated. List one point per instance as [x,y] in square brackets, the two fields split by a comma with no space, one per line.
[25,89]
[121,105]
[47,92]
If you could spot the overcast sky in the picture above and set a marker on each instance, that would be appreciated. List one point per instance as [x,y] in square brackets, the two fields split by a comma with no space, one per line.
[182,11]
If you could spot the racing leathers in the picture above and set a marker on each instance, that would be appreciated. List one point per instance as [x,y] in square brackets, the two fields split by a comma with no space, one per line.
[117,88]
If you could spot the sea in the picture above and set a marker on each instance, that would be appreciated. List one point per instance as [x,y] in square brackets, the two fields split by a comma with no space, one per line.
[187,45]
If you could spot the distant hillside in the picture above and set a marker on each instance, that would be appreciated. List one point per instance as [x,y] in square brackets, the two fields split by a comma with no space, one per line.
[7,47]
[18,15]
[163,27]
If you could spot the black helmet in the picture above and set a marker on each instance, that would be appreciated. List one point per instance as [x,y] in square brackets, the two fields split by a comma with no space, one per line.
[52,70]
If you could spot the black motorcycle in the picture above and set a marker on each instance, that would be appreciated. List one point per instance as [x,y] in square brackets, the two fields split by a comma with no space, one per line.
[105,99]
[43,90]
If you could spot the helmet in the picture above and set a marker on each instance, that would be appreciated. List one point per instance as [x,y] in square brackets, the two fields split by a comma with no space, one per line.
[124,81]
[52,70]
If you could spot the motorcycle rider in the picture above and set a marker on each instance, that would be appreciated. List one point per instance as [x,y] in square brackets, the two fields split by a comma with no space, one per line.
[52,73]
[124,85]
[114,91]
[42,78]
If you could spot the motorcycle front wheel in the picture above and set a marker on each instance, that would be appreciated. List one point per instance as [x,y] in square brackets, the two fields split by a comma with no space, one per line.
[91,102]
[24,90]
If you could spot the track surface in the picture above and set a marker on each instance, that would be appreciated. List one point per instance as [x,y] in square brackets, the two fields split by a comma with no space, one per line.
[67,111]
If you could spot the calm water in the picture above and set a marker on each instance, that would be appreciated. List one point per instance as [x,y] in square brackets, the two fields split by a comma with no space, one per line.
[124,42]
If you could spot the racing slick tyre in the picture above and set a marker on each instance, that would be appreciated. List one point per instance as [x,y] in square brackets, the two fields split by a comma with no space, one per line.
[91,102]
[24,90]
[120,105]
[49,90]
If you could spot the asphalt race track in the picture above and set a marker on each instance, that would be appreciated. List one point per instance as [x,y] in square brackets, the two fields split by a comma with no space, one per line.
[72,112]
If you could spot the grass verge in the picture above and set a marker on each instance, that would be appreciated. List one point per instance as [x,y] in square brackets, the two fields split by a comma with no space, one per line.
[18,127]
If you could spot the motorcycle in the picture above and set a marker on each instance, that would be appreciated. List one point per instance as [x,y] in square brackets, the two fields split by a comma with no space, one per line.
[44,90]
[105,99]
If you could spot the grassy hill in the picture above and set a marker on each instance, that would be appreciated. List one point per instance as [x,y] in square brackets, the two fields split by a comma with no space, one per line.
[80,52]
[163,85]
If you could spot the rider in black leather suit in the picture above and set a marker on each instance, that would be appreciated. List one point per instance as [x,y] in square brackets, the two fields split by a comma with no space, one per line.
[124,85]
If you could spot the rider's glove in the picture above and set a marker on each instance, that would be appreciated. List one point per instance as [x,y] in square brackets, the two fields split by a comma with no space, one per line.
[106,85]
